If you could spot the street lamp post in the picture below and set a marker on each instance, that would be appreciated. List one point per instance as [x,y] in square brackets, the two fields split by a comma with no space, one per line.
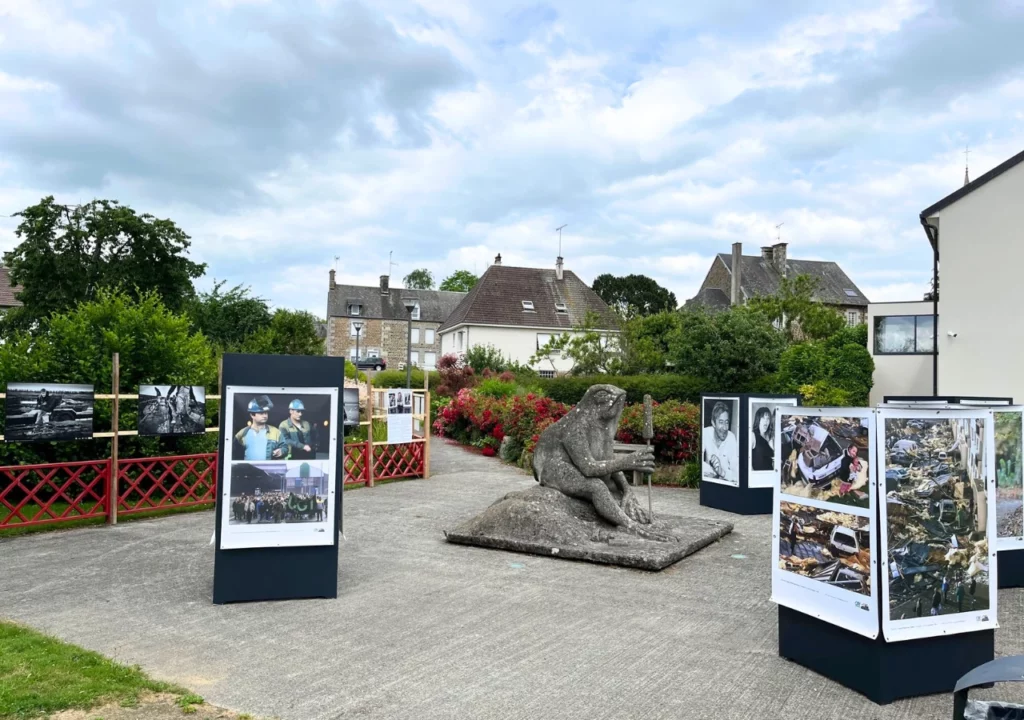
[410,306]
[358,326]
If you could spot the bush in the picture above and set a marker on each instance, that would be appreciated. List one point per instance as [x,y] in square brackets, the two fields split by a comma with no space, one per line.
[661,388]
[495,388]
[822,394]
[485,357]
[455,375]
[676,430]
[839,363]
[353,374]
[396,379]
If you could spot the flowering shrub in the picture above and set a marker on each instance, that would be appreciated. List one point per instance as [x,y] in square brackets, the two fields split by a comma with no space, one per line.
[676,430]
[474,418]
[455,375]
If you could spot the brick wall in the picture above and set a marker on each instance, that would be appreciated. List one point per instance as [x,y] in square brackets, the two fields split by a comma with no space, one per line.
[718,277]
[390,336]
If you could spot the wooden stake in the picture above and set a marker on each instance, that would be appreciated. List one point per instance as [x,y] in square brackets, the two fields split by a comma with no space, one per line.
[369,432]
[115,423]
[426,434]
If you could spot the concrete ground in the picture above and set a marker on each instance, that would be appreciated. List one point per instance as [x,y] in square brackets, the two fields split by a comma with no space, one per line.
[424,629]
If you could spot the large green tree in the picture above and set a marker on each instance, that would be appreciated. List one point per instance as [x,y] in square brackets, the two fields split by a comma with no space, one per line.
[229,318]
[290,332]
[459,281]
[644,342]
[68,254]
[420,279]
[634,295]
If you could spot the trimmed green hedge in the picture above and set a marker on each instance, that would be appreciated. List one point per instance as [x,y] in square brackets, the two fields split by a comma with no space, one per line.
[569,389]
[396,379]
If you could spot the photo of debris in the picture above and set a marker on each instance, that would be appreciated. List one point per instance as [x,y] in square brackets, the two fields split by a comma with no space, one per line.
[1009,486]
[936,515]
[172,410]
[41,412]
[826,458]
[827,546]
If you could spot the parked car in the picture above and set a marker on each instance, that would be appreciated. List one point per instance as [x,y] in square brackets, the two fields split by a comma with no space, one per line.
[844,540]
[371,363]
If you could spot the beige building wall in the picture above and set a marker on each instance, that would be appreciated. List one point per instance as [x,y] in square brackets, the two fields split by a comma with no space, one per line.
[898,374]
[981,255]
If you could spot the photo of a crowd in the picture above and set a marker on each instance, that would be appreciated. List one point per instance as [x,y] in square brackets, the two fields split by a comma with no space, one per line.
[281,426]
[826,458]
[282,492]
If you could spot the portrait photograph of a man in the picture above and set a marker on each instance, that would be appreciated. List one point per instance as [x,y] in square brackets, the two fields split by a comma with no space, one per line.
[720,449]
[280,426]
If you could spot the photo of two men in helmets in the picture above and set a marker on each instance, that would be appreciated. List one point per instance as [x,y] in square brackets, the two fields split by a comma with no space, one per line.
[279,426]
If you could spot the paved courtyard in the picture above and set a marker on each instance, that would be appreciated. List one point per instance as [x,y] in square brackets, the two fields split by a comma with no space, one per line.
[424,629]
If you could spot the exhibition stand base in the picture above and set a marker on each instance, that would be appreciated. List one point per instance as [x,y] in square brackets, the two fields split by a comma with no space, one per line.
[880,670]
[739,500]
[289,573]
[1011,569]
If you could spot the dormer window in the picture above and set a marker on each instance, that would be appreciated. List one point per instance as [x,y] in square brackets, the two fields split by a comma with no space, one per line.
[528,306]
[354,308]
[850,293]
[561,308]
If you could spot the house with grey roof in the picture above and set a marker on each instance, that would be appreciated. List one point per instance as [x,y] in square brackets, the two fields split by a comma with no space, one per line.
[378,317]
[734,279]
[8,292]
[517,310]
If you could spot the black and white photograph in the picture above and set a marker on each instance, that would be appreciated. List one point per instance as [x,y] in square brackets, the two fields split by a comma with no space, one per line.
[280,425]
[350,406]
[826,458]
[172,410]
[279,492]
[399,404]
[43,412]
[936,519]
[720,449]
[761,440]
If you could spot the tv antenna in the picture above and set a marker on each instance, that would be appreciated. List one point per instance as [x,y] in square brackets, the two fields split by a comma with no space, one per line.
[390,263]
[559,231]
[778,232]
[336,259]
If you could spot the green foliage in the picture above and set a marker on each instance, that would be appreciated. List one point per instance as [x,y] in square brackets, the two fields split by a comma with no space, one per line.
[396,378]
[831,365]
[229,318]
[634,295]
[644,342]
[420,279]
[1008,449]
[291,332]
[676,430]
[459,281]
[352,373]
[662,388]
[824,394]
[590,349]
[794,310]
[732,350]
[485,357]
[495,388]
[67,255]
[691,475]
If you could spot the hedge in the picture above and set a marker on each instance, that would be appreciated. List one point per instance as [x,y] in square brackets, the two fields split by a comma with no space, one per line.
[570,389]
[396,379]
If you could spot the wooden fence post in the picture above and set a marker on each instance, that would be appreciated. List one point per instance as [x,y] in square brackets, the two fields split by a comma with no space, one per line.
[369,431]
[115,422]
[426,434]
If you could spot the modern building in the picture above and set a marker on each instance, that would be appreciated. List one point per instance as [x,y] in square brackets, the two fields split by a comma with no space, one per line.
[379,317]
[7,291]
[901,338]
[518,310]
[737,278]
[977,251]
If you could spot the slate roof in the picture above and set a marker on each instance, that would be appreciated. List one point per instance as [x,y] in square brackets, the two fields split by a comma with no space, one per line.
[7,292]
[711,298]
[759,276]
[497,299]
[435,305]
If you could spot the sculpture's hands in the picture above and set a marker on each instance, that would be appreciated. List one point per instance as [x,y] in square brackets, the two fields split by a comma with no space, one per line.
[641,460]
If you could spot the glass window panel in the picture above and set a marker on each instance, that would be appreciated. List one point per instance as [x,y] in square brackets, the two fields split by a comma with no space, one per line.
[925,333]
[894,334]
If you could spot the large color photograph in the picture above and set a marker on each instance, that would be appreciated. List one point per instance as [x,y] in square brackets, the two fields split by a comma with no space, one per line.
[42,412]
[825,458]
[936,518]
[279,492]
[281,426]
[1009,487]
[826,546]
[720,449]
[172,410]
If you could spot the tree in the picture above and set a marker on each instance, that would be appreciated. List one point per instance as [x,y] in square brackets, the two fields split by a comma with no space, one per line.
[634,295]
[419,280]
[794,309]
[68,254]
[644,342]
[229,318]
[459,281]
[291,332]
[732,350]
[840,368]
[592,351]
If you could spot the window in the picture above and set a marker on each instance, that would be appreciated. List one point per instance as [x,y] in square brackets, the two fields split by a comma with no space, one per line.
[428,337]
[430,360]
[905,335]
[543,339]
[417,359]
[528,306]
[416,312]
[460,338]
[546,373]
[354,308]
[415,336]
[850,293]
[353,324]
[352,353]
[852,318]
[561,308]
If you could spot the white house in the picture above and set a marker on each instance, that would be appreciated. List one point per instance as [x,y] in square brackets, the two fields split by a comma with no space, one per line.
[517,311]
[978,247]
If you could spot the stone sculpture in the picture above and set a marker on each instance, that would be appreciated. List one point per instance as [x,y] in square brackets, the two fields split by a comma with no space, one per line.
[576,456]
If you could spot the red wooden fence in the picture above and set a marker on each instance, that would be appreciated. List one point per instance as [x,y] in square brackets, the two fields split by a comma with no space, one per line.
[59,492]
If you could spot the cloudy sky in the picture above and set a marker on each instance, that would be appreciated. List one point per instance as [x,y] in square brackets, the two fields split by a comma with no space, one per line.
[282,134]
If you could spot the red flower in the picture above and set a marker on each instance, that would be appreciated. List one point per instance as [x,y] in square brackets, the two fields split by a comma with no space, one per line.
[488,451]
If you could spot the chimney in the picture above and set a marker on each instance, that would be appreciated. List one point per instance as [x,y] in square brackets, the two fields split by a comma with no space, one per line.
[737,267]
[766,252]
[559,272]
[332,285]
[779,258]
[384,280]
[497,259]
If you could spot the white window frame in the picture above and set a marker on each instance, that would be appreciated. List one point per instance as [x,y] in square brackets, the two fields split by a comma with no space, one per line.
[429,337]
[548,339]
[852,318]
[415,336]
[528,306]
[548,374]
[430,360]
[459,340]
[416,312]
[354,309]
[561,308]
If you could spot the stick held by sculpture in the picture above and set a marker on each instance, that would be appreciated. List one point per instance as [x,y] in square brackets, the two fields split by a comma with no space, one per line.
[576,457]
[648,434]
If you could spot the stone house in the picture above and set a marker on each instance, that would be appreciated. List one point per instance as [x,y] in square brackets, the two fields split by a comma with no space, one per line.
[385,322]
[762,275]
[7,291]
